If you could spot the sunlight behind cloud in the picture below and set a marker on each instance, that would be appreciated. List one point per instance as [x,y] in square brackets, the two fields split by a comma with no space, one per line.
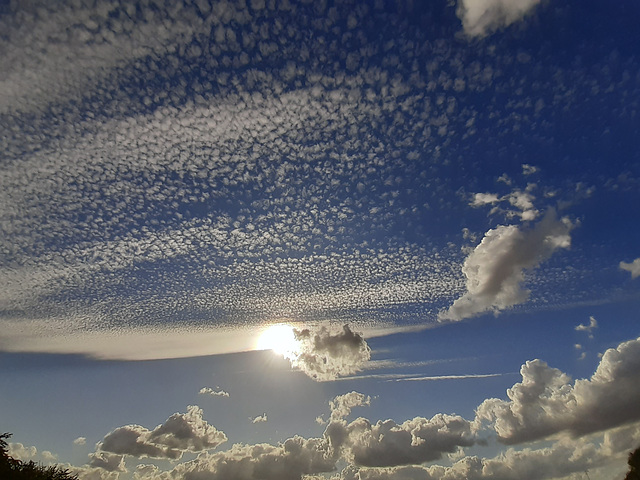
[279,338]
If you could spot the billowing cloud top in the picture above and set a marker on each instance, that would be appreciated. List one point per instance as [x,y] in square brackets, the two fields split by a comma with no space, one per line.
[180,433]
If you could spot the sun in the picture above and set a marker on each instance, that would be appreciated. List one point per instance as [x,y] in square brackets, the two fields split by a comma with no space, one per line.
[279,338]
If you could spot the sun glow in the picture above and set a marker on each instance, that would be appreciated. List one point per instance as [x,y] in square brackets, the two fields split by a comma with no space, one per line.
[279,338]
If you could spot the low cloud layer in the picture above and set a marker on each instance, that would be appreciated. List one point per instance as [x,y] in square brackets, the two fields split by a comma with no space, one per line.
[180,433]
[495,268]
[546,402]
[326,353]
[482,17]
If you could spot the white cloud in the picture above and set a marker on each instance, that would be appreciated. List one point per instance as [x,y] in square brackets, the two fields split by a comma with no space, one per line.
[482,17]
[326,353]
[80,441]
[259,419]
[287,461]
[181,432]
[480,199]
[633,267]
[593,324]
[212,392]
[556,461]
[342,404]
[387,443]
[547,403]
[495,268]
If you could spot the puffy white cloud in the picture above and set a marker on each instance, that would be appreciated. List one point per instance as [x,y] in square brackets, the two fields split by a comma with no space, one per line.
[482,17]
[480,199]
[181,432]
[559,460]
[287,461]
[495,268]
[342,404]
[547,403]
[212,392]
[260,419]
[80,441]
[633,267]
[593,324]
[326,353]
[387,443]
[26,453]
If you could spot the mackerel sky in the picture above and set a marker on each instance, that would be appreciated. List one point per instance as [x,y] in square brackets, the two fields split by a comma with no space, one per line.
[351,240]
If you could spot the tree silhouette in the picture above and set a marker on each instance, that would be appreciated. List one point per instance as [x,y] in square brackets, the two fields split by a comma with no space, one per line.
[13,469]
[634,465]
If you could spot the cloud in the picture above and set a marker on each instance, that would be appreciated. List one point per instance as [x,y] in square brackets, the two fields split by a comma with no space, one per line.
[212,392]
[449,377]
[181,432]
[560,459]
[289,460]
[546,403]
[633,267]
[593,324]
[342,404]
[495,268]
[326,353]
[260,419]
[387,443]
[482,17]
[80,441]
[107,461]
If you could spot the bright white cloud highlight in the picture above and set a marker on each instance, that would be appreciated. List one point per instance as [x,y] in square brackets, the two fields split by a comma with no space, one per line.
[495,268]
[482,17]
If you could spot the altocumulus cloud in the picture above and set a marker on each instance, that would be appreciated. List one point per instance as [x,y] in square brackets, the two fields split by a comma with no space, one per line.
[494,270]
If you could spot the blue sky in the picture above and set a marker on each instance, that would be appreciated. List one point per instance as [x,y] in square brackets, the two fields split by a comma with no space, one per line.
[436,202]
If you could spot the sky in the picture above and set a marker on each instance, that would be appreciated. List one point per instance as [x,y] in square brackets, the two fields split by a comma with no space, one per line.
[304,240]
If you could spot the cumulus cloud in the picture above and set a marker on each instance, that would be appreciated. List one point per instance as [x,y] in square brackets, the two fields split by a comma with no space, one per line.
[260,419]
[80,441]
[546,402]
[181,432]
[495,268]
[287,461]
[387,443]
[633,267]
[342,404]
[212,392]
[593,324]
[556,461]
[107,461]
[482,17]
[325,353]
